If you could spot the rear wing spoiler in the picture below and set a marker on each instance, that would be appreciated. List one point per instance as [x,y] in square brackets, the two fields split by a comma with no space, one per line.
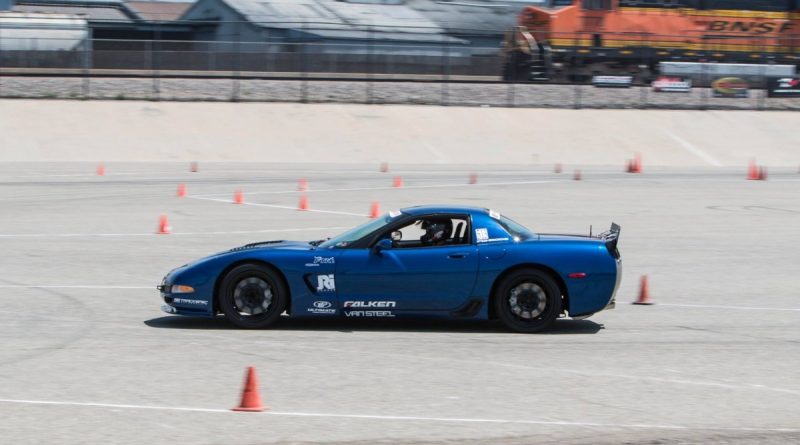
[611,237]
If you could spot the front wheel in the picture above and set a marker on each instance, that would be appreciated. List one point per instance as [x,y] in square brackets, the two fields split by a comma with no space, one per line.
[252,296]
[527,300]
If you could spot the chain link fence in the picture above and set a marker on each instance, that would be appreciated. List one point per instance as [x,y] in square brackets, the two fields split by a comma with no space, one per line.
[370,71]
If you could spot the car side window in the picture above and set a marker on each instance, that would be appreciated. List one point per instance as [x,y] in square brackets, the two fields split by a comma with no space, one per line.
[431,231]
[412,231]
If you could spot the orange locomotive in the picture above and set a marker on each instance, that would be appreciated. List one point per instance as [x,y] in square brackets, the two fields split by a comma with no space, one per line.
[579,38]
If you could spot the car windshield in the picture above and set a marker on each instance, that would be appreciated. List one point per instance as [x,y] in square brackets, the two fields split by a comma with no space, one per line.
[514,228]
[359,232]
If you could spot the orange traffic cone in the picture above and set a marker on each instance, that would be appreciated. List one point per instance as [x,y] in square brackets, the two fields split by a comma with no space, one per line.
[302,185]
[238,197]
[577,175]
[303,205]
[398,182]
[101,170]
[635,164]
[251,397]
[752,171]
[644,292]
[193,167]
[163,226]
[181,190]
[557,168]
[375,210]
[473,178]
[384,167]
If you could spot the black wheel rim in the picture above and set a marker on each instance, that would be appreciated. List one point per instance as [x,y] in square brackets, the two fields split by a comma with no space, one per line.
[527,301]
[252,297]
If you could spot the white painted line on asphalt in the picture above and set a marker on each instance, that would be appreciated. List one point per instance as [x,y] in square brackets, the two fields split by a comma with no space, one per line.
[531,422]
[114,405]
[274,206]
[402,418]
[231,232]
[742,308]
[70,286]
[69,235]
[244,232]
[694,150]
[357,189]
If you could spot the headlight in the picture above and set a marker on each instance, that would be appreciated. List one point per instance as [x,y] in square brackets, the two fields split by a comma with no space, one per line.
[181,289]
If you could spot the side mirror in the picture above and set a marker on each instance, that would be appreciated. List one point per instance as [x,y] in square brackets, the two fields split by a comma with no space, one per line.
[383,244]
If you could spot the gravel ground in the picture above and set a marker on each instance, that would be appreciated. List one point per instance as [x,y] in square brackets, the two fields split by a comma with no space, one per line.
[466,94]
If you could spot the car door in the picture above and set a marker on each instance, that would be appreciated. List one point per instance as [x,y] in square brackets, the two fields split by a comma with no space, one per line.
[419,278]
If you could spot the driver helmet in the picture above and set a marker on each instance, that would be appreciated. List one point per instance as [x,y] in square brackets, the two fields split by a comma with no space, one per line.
[436,230]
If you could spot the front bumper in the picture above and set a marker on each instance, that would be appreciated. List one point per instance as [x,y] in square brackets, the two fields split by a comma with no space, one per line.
[181,303]
[164,291]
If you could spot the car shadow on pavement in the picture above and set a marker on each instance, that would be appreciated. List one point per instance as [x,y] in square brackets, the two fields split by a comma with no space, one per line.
[564,326]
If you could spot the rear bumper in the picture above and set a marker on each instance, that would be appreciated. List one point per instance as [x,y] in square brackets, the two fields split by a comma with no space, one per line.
[612,302]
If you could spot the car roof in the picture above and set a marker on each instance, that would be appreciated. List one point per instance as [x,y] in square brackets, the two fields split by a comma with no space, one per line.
[426,209]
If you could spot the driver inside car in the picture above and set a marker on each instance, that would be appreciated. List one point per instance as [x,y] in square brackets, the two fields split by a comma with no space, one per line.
[437,231]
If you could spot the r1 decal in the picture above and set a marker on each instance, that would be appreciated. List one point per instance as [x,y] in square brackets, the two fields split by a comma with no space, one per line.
[325,283]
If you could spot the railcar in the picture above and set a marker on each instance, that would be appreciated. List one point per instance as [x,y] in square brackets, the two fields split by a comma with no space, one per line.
[576,39]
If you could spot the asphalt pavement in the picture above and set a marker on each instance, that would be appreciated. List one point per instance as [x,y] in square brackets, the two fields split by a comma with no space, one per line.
[88,357]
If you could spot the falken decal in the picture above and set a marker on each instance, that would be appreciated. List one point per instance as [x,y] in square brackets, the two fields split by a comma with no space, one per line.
[370,304]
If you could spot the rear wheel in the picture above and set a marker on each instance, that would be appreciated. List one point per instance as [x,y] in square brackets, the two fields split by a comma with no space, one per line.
[252,296]
[527,300]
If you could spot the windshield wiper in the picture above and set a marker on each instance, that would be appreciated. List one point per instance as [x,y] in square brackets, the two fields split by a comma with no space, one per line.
[318,242]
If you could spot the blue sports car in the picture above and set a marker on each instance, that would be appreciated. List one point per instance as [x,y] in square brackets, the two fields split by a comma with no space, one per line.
[433,261]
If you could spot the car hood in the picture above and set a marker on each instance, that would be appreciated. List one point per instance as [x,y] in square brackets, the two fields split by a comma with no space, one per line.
[272,245]
[260,246]
[251,247]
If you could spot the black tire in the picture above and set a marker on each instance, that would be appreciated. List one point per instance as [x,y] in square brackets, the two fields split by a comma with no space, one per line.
[252,296]
[527,300]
